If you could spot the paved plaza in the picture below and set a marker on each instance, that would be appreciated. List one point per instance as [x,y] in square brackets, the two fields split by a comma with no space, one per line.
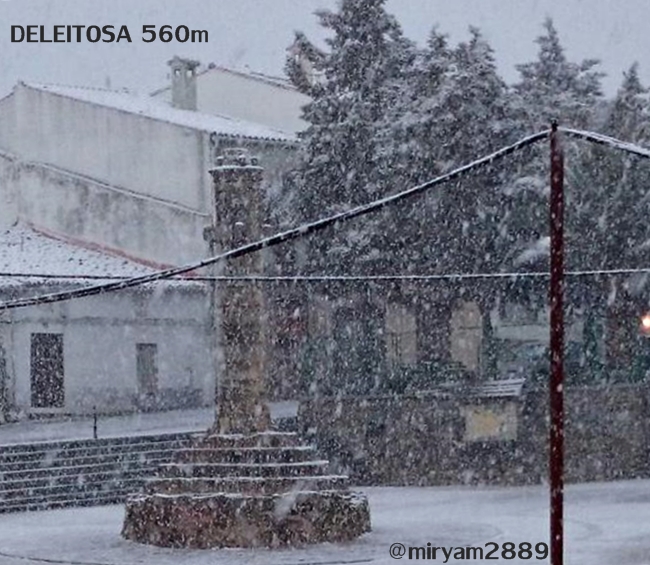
[606,523]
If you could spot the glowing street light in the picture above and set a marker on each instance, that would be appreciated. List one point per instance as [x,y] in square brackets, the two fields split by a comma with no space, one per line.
[645,324]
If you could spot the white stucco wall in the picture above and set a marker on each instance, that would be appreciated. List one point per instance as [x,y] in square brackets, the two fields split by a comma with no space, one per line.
[7,120]
[223,92]
[84,210]
[115,179]
[8,191]
[144,228]
[99,340]
[140,154]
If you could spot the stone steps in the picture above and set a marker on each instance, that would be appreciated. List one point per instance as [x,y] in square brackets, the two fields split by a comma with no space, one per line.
[256,455]
[90,484]
[303,468]
[124,458]
[112,476]
[92,444]
[67,470]
[263,489]
[81,472]
[262,439]
[245,485]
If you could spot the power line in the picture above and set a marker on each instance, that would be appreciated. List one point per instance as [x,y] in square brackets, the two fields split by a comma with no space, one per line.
[362,210]
[279,238]
[351,278]
[600,139]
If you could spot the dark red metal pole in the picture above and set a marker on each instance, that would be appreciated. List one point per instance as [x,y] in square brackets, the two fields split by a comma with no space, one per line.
[556,385]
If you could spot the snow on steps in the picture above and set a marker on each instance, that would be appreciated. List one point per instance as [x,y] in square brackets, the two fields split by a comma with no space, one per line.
[260,464]
[267,489]
[41,476]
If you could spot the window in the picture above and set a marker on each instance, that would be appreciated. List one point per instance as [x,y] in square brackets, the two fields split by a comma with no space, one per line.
[401,335]
[46,370]
[518,314]
[147,369]
[466,335]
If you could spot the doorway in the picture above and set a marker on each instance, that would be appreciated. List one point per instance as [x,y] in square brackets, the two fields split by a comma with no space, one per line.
[147,374]
[47,378]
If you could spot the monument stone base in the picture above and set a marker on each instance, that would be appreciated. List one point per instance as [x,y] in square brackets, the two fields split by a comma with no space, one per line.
[258,490]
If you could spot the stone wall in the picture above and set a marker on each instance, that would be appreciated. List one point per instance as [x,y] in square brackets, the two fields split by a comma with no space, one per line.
[430,439]
[606,432]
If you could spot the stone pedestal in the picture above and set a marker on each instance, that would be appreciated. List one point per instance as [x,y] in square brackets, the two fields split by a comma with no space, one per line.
[259,490]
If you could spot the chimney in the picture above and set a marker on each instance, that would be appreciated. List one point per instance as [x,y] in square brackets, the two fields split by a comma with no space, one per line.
[297,53]
[183,83]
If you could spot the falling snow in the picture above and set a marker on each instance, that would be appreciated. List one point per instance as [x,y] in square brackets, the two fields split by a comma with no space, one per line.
[219,334]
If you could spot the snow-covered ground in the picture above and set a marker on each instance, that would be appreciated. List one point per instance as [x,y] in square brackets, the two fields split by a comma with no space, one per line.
[606,523]
[145,423]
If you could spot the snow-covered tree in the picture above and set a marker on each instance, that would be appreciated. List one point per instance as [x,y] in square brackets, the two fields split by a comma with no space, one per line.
[454,108]
[412,135]
[609,189]
[341,163]
[607,208]
[612,198]
[552,87]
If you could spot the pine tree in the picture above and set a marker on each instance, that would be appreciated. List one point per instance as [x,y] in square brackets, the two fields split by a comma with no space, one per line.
[412,132]
[410,142]
[608,189]
[552,87]
[608,208]
[474,120]
[342,163]
[454,108]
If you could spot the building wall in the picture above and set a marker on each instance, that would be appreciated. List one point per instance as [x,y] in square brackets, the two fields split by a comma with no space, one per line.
[223,92]
[99,340]
[117,180]
[433,439]
[8,118]
[81,209]
[9,197]
[150,157]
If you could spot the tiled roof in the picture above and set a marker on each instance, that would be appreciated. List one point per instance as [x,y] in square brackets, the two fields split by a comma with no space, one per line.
[26,252]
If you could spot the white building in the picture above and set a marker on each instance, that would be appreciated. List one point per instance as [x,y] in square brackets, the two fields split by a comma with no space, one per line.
[246,95]
[144,348]
[97,182]
[123,173]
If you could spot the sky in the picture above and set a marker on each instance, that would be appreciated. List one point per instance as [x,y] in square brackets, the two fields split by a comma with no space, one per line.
[255,34]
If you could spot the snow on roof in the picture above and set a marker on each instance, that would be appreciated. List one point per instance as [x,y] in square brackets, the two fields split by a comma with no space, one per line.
[24,251]
[150,108]
[278,82]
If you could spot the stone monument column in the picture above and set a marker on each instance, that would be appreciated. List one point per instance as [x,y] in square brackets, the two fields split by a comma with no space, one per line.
[241,405]
[243,484]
